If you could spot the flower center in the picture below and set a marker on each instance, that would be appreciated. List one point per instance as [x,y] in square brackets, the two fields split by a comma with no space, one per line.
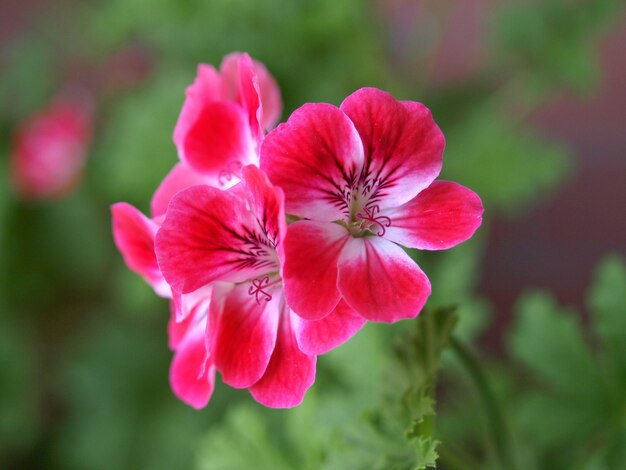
[259,288]
[230,171]
[370,221]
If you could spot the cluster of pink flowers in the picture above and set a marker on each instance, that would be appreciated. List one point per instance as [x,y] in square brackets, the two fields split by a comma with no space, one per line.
[254,297]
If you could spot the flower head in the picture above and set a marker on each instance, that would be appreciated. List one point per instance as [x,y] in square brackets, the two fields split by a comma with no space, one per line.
[235,238]
[362,176]
[225,116]
[49,150]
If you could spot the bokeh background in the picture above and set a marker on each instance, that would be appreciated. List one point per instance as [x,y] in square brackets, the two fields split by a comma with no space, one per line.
[530,95]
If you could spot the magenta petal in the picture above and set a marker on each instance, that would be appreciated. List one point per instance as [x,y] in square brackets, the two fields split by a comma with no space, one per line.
[267,203]
[320,336]
[134,235]
[403,145]
[210,235]
[176,329]
[207,87]
[380,281]
[440,217]
[315,157]
[246,336]
[312,251]
[289,374]
[270,96]
[219,140]
[179,178]
[192,376]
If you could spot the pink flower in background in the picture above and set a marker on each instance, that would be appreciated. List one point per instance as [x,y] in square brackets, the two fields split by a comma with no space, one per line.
[225,117]
[363,175]
[50,149]
[235,237]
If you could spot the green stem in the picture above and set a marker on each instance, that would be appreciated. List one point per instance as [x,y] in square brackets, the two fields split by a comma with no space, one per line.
[496,420]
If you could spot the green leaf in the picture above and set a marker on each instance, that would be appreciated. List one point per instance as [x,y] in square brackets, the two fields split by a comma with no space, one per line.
[549,342]
[407,406]
[607,302]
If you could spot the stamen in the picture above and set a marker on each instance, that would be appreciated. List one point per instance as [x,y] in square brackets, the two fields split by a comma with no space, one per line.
[370,216]
[257,288]
[232,170]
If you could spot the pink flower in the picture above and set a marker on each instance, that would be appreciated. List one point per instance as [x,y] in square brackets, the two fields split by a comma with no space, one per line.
[49,150]
[362,176]
[243,89]
[235,238]
[225,116]
[192,376]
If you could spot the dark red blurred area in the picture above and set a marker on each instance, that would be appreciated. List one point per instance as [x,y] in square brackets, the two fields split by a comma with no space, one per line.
[557,245]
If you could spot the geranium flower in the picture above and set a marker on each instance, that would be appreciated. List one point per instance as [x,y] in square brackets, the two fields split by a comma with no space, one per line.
[236,237]
[225,117]
[192,375]
[362,176]
[50,149]
[246,87]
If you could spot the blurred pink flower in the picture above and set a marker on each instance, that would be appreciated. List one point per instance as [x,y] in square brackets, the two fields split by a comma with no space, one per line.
[49,150]
[363,177]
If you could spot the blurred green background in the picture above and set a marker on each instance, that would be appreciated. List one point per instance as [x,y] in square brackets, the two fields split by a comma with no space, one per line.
[531,99]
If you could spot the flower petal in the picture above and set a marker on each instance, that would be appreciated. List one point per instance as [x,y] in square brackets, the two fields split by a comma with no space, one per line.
[134,235]
[207,87]
[270,96]
[246,336]
[267,203]
[320,336]
[289,374]
[179,178]
[312,251]
[177,326]
[403,146]
[380,281]
[440,217]
[219,142]
[192,375]
[210,235]
[315,157]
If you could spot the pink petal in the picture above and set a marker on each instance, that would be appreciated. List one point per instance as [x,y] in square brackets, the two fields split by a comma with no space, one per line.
[194,303]
[192,375]
[179,178]
[312,251]
[320,336]
[176,328]
[270,96]
[269,92]
[209,235]
[207,87]
[250,96]
[380,281]
[289,374]
[403,145]
[266,202]
[134,235]
[315,157]
[218,143]
[246,336]
[440,217]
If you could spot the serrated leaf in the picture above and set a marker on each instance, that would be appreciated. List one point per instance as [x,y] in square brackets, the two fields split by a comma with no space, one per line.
[607,301]
[549,342]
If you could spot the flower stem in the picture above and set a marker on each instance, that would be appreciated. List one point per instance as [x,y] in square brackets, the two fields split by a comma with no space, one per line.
[497,422]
